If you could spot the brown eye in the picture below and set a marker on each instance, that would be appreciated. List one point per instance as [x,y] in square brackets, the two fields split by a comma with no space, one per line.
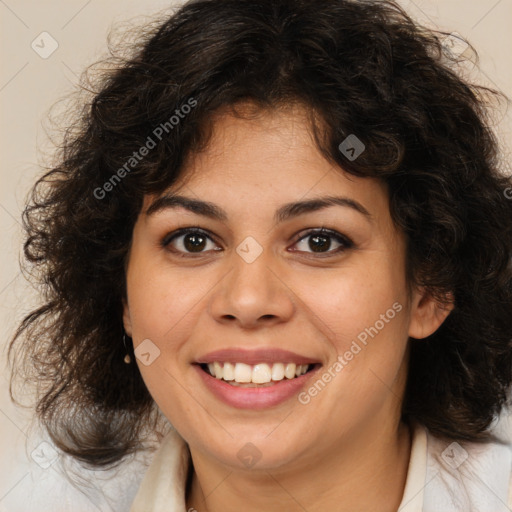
[321,241]
[190,240]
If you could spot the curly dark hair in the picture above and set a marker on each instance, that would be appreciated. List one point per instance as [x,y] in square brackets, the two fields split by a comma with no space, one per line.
[361,67]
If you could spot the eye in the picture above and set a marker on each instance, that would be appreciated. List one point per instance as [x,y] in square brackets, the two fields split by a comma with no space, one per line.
[194,240]
[188,241]
[320,241]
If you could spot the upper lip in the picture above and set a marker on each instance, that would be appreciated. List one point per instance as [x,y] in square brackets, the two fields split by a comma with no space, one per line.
[255,356]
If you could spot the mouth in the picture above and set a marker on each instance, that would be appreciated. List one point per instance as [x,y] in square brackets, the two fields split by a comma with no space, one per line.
[259,375]
[257,379]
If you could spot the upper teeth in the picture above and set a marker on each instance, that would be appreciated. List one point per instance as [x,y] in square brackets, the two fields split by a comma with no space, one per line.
[258,374]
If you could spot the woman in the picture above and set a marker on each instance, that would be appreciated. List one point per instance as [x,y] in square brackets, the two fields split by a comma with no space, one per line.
[280,226]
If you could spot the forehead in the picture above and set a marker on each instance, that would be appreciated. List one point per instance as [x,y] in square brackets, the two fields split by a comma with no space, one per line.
[267,156]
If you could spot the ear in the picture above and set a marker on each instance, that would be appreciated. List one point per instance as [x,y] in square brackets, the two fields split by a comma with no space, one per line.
[127,321]
[428,314]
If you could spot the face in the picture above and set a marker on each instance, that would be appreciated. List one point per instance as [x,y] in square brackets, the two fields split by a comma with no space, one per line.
[253,277]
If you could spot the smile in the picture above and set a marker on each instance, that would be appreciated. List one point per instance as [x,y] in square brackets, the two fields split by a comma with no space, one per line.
[256,379]
[262,373]
[252,395]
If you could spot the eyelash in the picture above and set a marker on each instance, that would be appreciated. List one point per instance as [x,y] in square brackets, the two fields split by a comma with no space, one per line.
[346,243]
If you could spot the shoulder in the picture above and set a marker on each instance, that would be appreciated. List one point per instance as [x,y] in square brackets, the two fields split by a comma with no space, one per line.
[163,485]
[468,476]
[46,480]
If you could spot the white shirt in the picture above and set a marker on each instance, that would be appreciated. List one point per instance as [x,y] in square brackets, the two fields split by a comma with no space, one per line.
[442,476]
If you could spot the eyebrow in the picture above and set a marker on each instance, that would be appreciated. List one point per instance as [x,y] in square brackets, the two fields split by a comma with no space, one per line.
[283,213]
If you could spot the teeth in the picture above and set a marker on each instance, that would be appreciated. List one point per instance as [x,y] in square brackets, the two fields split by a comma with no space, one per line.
[262,373]
[243,372]
[289,371]
[229,371]
[278,371]
[218,369]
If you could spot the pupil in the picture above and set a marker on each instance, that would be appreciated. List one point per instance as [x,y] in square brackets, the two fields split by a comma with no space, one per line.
[194,241]
[324,243]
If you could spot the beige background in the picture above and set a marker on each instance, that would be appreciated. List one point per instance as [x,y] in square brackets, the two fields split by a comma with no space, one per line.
[30,85]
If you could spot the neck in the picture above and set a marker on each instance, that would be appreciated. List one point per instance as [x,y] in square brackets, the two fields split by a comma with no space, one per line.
[367,471]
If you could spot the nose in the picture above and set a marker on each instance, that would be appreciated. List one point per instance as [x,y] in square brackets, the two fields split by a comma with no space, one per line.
[252,294]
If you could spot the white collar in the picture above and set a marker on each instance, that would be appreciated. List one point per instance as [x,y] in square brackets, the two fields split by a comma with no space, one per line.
[435,479]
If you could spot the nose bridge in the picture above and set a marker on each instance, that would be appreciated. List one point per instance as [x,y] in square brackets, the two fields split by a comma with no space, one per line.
[251,269]
[252,291]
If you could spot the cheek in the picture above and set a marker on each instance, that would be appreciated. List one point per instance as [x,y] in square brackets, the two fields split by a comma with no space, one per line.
[162,310]
[162,299]
[365,311]
[357,301]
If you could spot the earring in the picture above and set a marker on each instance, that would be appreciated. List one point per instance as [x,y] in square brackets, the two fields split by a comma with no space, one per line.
[127,358]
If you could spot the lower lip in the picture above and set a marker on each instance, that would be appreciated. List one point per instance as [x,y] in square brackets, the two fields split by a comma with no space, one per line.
[255,398]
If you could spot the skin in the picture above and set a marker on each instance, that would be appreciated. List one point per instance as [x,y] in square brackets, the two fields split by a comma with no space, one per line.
[346,450]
